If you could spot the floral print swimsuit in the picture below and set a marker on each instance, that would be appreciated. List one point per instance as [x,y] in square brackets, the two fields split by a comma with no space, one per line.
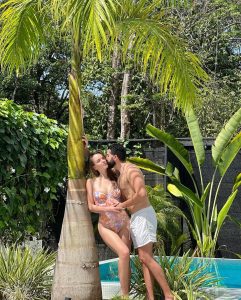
[111,220]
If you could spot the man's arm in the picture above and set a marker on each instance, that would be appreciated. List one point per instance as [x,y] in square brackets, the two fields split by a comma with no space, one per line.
[136,181]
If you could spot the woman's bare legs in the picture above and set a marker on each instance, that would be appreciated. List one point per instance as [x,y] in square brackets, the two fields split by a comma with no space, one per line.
[121,246]
[145,254]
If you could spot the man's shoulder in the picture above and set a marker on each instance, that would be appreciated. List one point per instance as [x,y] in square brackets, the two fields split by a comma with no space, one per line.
[132,168]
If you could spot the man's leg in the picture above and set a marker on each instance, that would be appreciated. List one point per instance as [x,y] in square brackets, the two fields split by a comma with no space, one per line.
[148,278]
[145,254]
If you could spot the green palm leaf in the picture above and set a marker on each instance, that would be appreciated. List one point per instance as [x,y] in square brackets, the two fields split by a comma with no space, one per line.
[229,154]
[196,136]
[147,165]
[21,33]
[91,20]
[169,64]
[225,209]
[177,148]
[225,135]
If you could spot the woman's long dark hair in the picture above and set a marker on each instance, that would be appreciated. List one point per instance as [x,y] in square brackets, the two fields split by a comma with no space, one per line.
[110,173]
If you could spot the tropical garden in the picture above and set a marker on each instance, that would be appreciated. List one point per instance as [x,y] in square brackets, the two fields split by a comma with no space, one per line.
[132,71]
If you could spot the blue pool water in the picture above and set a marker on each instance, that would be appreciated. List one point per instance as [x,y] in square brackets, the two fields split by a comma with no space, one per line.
[227,270]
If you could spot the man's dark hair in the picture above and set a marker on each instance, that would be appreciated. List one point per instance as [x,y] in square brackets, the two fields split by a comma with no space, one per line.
[119,151]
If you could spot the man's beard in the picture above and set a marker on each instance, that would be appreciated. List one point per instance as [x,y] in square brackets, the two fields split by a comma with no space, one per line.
[111,163]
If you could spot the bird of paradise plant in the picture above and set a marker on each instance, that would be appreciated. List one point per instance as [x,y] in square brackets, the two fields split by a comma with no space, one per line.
[202,202]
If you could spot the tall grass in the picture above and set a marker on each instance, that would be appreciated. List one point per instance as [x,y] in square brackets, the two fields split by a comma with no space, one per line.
[25,275]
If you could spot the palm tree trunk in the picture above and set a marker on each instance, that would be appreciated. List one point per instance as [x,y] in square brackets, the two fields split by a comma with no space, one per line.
[125,119]
[76,271]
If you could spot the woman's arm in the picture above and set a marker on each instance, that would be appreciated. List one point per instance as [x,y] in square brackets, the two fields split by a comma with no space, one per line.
[91,204]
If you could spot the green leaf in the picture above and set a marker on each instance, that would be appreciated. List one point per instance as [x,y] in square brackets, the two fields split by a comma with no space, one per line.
[205,194]
[147,164]
[189,194]
[174,190]
[177,148]
[22,34]
[237,182]
[225,135]
[225,209]
[229,154]
[181,191]
[196,136]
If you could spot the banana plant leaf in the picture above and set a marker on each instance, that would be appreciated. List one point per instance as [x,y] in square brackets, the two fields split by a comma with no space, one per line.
[225,136]
[205,193]
[196,136]
[237,182]
[173,144]
[225,209]
[181,191]
[229,154]
[147,165]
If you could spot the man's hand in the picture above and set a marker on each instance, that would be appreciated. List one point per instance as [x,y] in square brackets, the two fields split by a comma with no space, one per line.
[120,205]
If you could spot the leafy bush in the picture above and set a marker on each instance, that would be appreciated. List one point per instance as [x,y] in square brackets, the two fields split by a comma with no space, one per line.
[33,164]
[25,275]
[168,218]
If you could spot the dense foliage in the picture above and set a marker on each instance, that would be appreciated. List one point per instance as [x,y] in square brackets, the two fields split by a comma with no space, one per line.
[33,165]
[213,33]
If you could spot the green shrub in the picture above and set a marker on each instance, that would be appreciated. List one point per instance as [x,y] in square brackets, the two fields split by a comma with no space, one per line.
[169,217]
[25,275]
[33,164]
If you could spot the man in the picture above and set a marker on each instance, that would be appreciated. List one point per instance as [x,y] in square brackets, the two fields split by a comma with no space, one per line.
[143,223]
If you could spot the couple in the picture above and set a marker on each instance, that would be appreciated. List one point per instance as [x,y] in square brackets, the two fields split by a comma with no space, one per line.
[109,195]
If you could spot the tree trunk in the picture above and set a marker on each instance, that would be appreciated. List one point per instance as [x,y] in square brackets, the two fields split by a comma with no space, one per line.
[125,119]
[76,271]
[114,93]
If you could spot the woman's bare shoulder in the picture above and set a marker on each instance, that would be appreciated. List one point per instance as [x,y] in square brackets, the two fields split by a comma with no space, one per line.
[89,182]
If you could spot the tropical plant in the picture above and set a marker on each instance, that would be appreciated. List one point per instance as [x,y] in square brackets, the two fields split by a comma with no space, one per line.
[202,202]
[33,167]
[94,26]
[168,218]
[25,275]
[186,282]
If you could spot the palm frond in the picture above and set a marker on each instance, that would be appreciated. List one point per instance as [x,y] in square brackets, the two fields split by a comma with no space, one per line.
[21,34]
[92,20]
[159,52]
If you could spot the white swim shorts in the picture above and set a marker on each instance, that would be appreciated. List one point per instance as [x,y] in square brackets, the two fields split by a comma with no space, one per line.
[143,226]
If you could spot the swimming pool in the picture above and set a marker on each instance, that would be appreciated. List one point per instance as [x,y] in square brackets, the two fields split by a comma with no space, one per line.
[227,270]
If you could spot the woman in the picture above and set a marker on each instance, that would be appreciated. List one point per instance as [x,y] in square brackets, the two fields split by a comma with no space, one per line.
[103,195]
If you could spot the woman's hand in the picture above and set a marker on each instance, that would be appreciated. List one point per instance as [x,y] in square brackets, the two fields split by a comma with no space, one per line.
[112,202]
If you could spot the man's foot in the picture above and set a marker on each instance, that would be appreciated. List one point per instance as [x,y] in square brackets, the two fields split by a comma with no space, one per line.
[169,297]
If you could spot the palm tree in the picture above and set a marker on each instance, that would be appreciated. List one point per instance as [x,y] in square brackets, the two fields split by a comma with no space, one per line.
[94,26]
